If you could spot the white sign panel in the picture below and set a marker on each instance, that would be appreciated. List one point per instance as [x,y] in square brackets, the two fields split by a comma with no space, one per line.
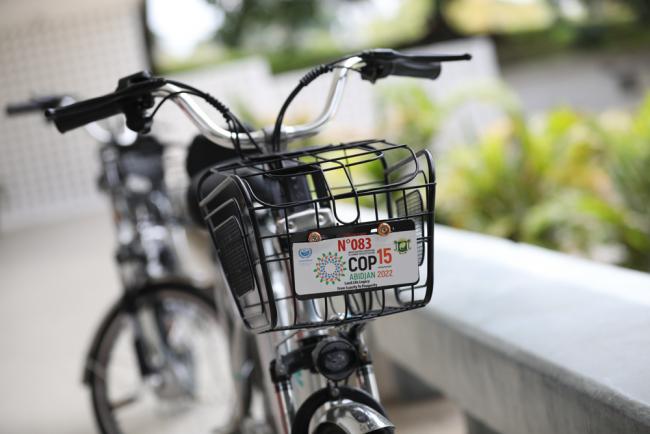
[355,263]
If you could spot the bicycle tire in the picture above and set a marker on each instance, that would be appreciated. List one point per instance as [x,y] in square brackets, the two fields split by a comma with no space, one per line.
[330,428]
[106,337]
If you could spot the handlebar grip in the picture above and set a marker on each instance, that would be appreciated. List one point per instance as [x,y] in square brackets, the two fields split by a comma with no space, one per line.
[84,112]
[34,105]
[411,68]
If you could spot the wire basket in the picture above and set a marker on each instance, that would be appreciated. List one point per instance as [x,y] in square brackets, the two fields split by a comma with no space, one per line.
[296,233]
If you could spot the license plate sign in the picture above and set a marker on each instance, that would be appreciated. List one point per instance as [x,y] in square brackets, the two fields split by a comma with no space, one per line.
[359,260]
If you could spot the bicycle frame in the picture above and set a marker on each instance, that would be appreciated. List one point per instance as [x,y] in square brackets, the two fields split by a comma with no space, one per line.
[141,220]
[145,253]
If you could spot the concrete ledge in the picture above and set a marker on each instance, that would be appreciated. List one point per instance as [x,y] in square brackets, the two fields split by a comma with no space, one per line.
[528,340]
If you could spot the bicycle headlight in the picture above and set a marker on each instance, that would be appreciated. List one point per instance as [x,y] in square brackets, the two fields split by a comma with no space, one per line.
[335,358]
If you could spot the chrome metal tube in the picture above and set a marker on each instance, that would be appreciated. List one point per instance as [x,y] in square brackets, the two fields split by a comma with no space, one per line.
[331,105]
[206,125]
[368,381]
[222,137]
[286,404]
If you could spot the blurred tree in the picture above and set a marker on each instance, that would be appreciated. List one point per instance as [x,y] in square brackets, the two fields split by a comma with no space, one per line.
[295,16]
[292,16]
[641,8]
[440,29]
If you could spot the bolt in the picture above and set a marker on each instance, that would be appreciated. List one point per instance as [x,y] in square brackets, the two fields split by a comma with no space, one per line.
[334,391]
[384,229]
[314,237]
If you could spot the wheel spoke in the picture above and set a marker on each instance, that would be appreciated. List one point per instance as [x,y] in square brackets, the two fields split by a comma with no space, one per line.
[124,402]
[194,396]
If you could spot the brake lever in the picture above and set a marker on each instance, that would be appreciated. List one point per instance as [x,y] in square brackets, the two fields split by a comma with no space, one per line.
[382,62]
[137,98]
[387,54]
[40,103]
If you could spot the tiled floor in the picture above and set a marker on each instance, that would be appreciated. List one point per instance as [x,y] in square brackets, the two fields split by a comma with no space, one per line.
[55,283]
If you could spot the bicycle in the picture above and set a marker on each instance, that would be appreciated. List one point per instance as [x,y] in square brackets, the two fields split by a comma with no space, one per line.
[148,334]
[312,243]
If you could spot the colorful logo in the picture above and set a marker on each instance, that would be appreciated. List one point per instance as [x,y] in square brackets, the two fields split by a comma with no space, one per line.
[402,246]
[304,253]
[330,267]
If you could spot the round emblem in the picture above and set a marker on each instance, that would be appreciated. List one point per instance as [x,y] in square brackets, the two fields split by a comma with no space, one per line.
[330,267]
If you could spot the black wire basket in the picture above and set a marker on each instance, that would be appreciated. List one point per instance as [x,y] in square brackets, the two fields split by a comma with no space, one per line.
[324,236]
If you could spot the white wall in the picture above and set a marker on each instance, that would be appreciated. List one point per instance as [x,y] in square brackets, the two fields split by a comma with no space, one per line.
[57,47]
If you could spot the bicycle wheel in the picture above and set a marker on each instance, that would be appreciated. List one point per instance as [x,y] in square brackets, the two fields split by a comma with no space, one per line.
[187,384]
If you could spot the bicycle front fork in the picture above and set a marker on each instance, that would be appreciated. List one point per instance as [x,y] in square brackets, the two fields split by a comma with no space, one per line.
[335,357]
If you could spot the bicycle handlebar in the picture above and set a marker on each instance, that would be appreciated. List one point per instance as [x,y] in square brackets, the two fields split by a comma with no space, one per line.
[36,104]
[133,92]
[136,93]
[80,113]
[332,103]
[204,122]
[381,63]
[43,104]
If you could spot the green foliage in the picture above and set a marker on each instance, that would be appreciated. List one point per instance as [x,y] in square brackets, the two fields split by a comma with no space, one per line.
[526,183]
[567,181]
[626,213]
[571,39]
[406,114]
[641,8]
[287,16]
